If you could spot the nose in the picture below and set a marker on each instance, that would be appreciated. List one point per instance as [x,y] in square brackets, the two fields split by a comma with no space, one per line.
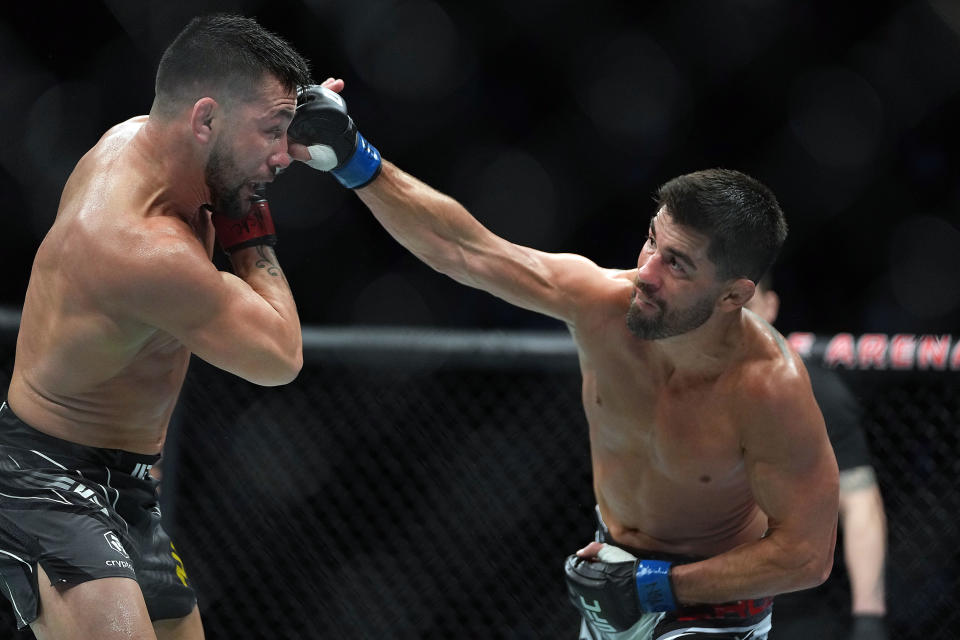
[281,159]
[648,273]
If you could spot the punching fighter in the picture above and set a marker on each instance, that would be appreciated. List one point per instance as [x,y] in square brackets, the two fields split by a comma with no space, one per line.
[122,291]
[715,483]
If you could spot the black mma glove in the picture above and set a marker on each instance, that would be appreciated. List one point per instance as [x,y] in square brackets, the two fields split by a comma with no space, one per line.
[613,591]
[322,125]
[868,627]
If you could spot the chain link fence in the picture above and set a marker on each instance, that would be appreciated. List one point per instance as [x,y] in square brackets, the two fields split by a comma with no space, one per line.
[429,485]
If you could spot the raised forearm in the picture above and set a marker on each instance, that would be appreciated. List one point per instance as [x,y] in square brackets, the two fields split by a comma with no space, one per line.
[266,314]
[258,267]
[271,325]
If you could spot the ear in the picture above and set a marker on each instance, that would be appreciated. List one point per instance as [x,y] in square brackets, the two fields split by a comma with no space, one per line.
[737,294]
[202,117]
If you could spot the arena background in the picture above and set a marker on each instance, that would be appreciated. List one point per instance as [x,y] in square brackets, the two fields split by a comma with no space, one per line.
[396,492]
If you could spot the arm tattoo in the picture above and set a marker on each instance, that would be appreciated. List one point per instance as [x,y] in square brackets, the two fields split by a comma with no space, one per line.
[265,262]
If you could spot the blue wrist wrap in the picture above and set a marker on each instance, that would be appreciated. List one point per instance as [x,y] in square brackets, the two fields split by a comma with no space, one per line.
[362,167]
[653,586]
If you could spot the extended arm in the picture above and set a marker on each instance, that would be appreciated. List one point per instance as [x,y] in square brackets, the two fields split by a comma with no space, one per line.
[442,233]
[433,226]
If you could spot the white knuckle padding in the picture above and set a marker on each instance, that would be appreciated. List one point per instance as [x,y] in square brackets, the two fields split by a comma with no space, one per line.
[610,553]
[322,157]
[333,95]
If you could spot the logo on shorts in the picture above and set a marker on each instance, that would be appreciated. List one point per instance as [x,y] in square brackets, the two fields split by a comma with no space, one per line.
[114,543]
[141,471]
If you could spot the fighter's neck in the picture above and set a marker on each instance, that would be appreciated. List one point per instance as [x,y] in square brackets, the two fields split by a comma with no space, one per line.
[706,351]
[174,170]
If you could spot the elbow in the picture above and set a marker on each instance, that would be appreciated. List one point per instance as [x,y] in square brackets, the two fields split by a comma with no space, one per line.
[286,374]
[819,572]
[277,371]
[806,574]
[459,261]
[288,371]
[805,563]
[815,571]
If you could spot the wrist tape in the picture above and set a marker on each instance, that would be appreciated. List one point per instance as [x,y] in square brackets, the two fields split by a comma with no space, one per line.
[255,228]
[653,586]
[362,167]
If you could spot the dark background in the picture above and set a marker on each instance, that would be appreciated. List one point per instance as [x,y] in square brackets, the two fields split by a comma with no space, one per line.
[554,121]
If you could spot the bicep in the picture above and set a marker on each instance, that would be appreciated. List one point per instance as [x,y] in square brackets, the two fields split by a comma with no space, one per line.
[215,314]
[792,469]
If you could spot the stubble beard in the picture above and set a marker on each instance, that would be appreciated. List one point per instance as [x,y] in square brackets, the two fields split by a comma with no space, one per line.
[668,323]
[225,199]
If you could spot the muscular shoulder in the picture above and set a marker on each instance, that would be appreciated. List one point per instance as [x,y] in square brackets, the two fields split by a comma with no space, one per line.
[772,383]
[603,294]
[160,254]
[129,264]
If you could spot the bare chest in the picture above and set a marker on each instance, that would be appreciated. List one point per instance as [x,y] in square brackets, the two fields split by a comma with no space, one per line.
[685,436]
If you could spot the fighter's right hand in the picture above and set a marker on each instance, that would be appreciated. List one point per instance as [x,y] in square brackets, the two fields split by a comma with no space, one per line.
[322,125]
[614,588]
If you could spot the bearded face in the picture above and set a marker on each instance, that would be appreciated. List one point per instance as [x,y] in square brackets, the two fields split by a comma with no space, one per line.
[226,183]
[650,318]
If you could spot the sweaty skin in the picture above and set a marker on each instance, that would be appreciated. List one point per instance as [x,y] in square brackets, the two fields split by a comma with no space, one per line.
[123,289]
[701,442]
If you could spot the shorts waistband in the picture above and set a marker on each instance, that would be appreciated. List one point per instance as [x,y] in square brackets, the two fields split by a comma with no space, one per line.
[14,432]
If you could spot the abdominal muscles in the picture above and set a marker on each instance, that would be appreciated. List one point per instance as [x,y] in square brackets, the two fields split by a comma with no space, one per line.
[708,510]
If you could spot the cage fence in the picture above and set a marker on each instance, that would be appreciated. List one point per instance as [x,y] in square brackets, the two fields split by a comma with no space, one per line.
[429,484]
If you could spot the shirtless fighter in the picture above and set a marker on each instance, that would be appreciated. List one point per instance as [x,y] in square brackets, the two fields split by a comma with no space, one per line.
[122,291]
[715,482]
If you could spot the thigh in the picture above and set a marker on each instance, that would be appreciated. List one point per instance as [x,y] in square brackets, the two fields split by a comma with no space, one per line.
[106,609]
[187,628]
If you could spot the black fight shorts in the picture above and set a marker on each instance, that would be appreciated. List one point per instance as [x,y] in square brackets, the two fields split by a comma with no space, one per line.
[741,620]
[82,513]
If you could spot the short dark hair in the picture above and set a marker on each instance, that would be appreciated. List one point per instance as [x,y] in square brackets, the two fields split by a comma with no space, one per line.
[221,52]
[738,213]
